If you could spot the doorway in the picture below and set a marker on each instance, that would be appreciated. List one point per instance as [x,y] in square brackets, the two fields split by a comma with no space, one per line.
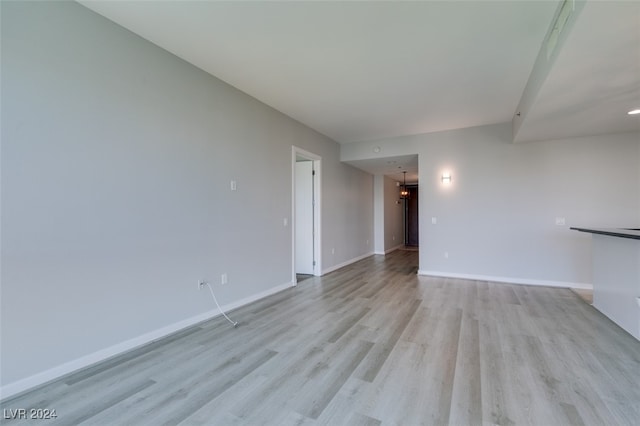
[411,233]
[305,214]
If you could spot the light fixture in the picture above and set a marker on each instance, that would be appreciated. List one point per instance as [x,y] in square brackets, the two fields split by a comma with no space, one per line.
[446,178]
[404,194]
[634,112]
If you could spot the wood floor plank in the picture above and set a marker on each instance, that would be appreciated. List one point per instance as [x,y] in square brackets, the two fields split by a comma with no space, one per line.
[91,410]
[584,389]
[333,379]
[345,324]
[439,371]
[396,393]
[357,419]
[381,350]
[345,404]
[497,405]
[466,399]
[199,396]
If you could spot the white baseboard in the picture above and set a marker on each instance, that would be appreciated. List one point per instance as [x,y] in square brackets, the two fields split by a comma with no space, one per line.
[510,280]
[257,296]
[394,248]
[38,379]
[389,250]
[348,262]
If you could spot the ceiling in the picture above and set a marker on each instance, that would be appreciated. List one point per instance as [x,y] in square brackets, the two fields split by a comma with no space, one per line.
[595,79]
[368,70]
[391,166]
[356,70]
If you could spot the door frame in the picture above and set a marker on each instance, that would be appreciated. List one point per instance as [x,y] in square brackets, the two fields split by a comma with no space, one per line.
[317,209]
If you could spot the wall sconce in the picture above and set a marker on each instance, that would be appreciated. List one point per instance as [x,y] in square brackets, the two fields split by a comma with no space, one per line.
[446,178]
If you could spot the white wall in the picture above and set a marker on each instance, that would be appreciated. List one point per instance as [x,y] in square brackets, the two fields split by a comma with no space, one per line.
[389,232]
[378,214]
[497,219]
[116,163]
[348,207]
[393,225]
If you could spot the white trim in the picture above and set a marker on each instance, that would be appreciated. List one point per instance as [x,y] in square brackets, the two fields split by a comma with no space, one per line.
[43,377]
[510,280]
[347,263]
[383,253]
[317,212]
[394,248]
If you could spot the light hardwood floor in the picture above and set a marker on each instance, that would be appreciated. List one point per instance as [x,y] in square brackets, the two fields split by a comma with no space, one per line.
[371,344]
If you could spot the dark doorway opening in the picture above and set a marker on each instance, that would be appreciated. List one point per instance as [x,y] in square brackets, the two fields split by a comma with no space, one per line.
[302,277]
[411,234]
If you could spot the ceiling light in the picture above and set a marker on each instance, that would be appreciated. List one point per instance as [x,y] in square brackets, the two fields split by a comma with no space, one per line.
[634,112]
[404,194]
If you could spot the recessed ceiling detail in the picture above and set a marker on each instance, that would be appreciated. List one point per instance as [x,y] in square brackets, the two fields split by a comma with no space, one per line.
[391,167]
[594,80]
[362,71]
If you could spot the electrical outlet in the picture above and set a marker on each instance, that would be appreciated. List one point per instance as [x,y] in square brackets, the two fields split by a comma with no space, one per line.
[200,284]
[224,279]
[560,221]
[446,254]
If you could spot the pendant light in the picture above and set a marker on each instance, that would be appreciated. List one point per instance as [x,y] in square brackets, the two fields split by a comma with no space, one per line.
[404,194]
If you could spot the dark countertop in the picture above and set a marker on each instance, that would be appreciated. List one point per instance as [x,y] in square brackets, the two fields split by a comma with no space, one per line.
[634,233]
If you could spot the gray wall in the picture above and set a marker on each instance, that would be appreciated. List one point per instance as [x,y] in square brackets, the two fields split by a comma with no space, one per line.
[497,218]
[389,231]
[393,221]
[116,163]
[378,214]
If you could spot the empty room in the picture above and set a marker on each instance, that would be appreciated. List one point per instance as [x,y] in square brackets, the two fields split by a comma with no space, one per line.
[320,213]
